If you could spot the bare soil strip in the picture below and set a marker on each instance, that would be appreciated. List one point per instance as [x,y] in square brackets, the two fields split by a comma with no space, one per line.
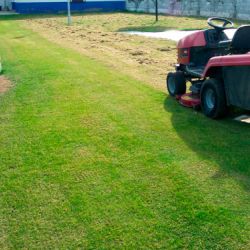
[5,84]
[144,59]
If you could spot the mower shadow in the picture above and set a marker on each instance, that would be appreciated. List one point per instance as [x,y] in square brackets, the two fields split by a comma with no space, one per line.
[224,142]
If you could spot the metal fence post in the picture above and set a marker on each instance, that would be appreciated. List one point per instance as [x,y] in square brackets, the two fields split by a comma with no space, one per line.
[69,13]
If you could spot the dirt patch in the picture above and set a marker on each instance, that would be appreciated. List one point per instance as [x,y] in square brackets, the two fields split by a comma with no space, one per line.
[91,35]
[5,84]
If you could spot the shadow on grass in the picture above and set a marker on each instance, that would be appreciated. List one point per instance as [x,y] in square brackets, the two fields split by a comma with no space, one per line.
[223,142]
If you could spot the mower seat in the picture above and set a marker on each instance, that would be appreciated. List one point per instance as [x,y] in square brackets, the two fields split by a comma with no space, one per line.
[241,40]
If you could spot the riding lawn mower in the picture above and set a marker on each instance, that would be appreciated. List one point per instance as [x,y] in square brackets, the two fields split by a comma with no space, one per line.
[217,67]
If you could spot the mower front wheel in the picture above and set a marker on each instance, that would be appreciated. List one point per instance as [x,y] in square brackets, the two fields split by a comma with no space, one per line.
[176,83]
[213,99]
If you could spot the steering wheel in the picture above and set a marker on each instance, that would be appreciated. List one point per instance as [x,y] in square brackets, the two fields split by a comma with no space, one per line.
[226,24]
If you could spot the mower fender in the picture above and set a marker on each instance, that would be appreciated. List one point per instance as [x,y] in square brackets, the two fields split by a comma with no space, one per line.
[218,62]
[212,67]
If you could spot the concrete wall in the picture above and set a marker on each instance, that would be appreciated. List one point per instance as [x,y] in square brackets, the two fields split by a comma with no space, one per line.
[5,4]
[223,8]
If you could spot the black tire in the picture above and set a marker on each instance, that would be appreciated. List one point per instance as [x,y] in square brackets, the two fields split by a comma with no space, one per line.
[176,83]
[213,99]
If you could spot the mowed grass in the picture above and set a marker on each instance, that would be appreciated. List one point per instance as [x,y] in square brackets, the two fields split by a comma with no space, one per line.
[92,158]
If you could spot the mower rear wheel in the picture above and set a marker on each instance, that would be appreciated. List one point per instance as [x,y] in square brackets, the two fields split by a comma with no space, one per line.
[213,99]
[176,83]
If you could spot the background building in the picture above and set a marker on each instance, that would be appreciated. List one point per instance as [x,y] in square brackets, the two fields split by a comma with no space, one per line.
[57,6]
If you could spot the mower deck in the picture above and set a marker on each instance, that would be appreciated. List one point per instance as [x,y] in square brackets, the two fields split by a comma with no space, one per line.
[189,100]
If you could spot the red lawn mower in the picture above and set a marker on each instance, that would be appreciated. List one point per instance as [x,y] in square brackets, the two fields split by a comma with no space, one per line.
[217,67]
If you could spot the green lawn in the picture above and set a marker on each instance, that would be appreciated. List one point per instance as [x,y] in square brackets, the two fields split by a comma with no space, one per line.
[92,158]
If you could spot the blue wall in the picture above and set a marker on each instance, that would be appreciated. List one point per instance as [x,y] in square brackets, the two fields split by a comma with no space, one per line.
[59,7]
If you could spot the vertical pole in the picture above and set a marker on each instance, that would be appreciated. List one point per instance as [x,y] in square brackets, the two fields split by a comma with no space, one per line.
[156,11]
[69,13]
[235,9]
[199,8]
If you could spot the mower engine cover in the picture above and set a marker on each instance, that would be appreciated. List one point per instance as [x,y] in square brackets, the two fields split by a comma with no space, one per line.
[184,46]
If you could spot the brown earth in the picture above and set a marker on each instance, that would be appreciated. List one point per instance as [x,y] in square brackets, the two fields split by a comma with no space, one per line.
[5,84]
[142,58]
